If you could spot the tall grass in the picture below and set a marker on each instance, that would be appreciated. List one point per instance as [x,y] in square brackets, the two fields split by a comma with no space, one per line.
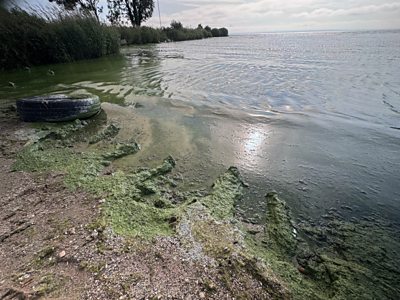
[27,39]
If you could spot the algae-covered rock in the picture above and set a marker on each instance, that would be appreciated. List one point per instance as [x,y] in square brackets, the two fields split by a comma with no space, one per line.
[280,233]
[121,150]
[109,132]
[227,189]
[166,167]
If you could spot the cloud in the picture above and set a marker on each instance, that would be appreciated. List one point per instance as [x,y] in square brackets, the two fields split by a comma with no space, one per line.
[272,15]
[276,15]
[354,11]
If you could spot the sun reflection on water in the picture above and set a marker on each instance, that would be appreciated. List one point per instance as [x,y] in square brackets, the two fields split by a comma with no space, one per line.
[254,141]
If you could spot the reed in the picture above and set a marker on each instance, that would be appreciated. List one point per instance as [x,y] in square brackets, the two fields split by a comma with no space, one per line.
[27,39]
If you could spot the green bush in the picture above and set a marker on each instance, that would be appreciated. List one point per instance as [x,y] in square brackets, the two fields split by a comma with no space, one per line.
[215,32]
[26,39]
[141,35]
[223,31]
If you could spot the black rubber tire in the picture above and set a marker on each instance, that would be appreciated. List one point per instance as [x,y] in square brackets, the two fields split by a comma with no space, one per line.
[57,108]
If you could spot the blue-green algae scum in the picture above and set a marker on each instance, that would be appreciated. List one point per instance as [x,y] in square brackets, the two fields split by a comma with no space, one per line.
[308,121]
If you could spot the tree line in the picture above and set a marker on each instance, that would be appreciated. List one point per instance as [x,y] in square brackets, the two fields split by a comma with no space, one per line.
[121,12]
[27,39]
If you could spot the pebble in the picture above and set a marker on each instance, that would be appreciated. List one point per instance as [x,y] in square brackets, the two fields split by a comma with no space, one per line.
[202,295]
[61,254]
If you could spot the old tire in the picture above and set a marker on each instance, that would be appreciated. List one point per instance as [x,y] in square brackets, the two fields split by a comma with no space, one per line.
[57,108]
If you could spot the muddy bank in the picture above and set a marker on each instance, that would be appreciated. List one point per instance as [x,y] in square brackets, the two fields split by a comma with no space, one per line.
[86,224]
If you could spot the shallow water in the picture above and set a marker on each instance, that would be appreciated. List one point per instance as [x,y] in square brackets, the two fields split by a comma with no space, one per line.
[310,115]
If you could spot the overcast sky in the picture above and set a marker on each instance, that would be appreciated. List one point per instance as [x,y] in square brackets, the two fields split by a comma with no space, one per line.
[241,16]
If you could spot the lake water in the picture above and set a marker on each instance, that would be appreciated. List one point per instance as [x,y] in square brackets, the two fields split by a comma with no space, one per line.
[314,116]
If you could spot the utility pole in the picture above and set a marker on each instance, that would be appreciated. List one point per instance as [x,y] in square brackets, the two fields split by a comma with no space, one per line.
[159,13]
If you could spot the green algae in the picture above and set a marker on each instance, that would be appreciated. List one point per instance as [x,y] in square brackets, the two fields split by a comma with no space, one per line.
[131,209]
[49,284]
[279,231]
[139,219]
[218,239]
[107,133]
[227,189]
[128,210]
[135,203]
[334,260]
[121,150]
[209,224]
[240,253]
[79,168]
[348,256]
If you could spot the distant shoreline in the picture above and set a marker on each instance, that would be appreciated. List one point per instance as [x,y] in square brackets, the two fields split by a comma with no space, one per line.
[313,31]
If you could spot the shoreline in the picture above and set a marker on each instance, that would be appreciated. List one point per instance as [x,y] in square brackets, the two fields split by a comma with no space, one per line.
[137,232]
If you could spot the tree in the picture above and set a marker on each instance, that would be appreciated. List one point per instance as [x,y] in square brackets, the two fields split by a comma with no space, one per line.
[176,25]
[136,11]
[223,31]
[215,32]
[90,6]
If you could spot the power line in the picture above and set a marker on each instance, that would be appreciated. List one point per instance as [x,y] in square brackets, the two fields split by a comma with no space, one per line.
[159,13]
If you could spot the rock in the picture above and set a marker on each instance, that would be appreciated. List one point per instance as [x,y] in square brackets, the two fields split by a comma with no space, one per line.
[61,254]
[121,150]
[202,295]
[94,234]
[109,132]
